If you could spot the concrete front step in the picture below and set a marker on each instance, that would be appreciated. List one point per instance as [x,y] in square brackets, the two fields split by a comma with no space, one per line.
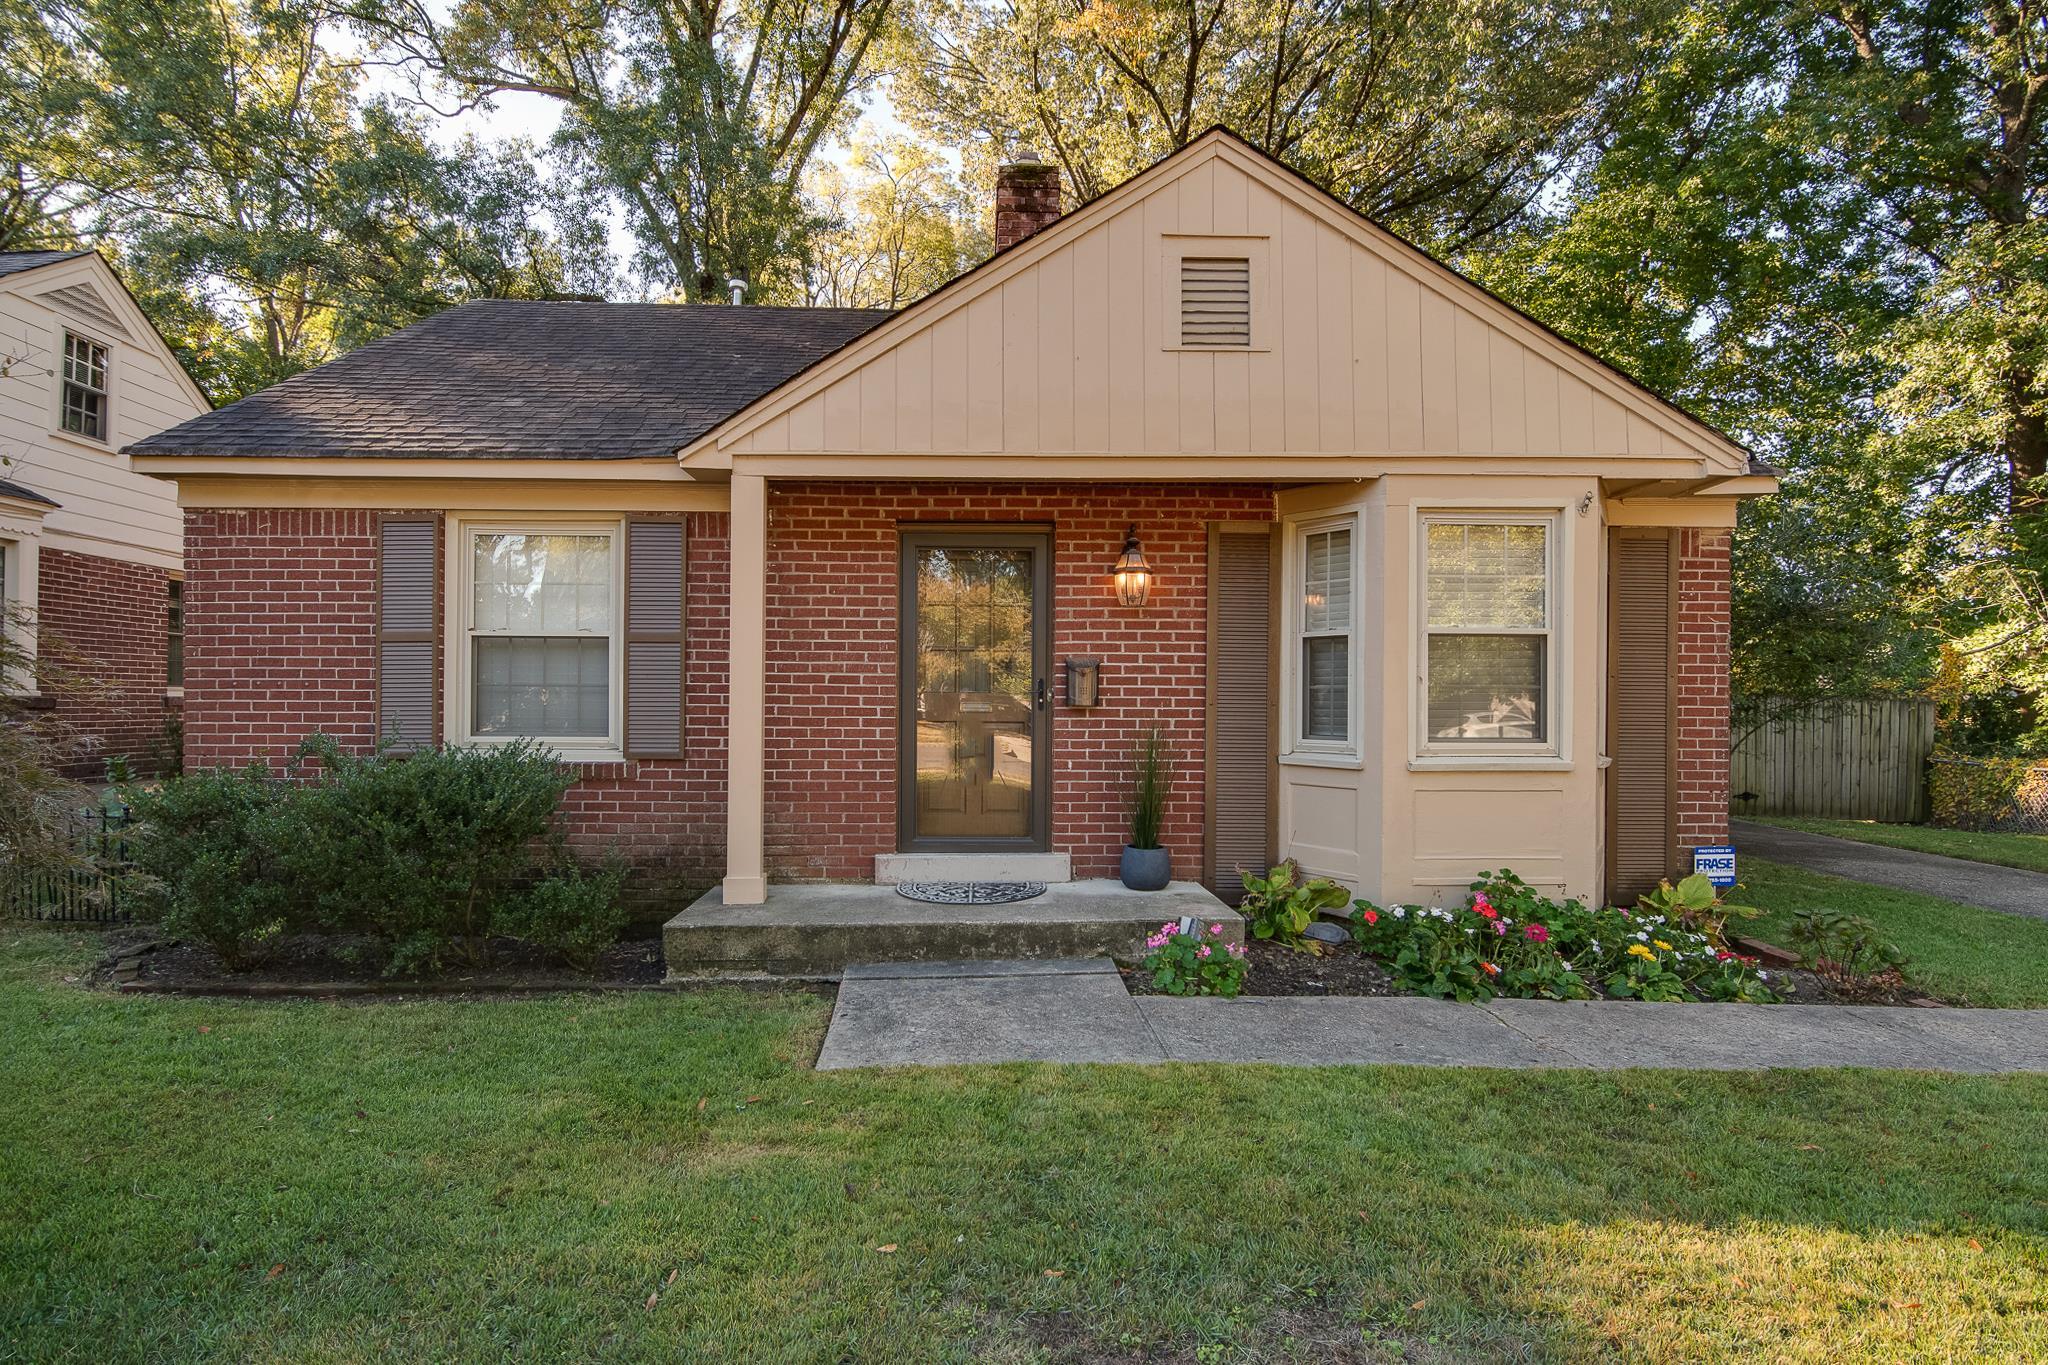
[815,932]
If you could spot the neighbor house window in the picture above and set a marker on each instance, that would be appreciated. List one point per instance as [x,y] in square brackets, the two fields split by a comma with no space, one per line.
[84,398]
[1487,633]
[174,635]
[542,657]
[1325,623]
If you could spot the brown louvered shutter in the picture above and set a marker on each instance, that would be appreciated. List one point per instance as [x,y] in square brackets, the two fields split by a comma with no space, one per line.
[1215,301]
[1641,842]
[654,637]
[408,654]
[1240,708]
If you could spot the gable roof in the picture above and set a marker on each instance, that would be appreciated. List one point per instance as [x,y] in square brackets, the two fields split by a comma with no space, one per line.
[14,262]
[504,378]
[1435,364]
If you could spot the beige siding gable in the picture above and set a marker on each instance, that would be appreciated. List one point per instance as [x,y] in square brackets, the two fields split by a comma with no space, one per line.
[1070,344]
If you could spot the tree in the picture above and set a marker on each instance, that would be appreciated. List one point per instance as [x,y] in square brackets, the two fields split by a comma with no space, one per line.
[900,226]
[701,119]
[1448,117]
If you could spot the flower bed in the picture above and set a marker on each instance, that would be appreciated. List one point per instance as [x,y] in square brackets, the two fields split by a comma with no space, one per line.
[1508,939]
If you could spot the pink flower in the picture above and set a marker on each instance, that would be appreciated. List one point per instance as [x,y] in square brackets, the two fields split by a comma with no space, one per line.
[1169,928]
[1202,951]
[1535,932]
[1499,928]
[1236,949]
[1156,941]
[1215,928]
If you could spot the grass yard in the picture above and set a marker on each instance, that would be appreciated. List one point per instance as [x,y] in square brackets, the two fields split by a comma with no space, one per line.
[662,1176]
[1958,953]
[2029,851]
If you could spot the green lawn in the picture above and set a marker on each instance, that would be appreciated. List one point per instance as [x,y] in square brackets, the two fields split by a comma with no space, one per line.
[662,1176]
[2029,851]
[1955,952]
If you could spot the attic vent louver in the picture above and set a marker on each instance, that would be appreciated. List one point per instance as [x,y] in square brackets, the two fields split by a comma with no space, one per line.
[1215,301]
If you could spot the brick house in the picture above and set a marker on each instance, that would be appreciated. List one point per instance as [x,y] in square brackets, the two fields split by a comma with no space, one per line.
[1410,585]
[91,552]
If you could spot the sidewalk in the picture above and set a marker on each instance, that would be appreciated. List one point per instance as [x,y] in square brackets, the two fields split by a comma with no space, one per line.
[1077,1010]
[1985,885]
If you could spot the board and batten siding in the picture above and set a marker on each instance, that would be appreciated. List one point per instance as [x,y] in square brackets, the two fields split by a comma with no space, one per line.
[105,507]
[1372,350]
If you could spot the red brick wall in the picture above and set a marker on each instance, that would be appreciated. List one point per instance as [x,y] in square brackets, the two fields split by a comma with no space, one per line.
[102,629]
[280,642]
[832,659]
[1702,663]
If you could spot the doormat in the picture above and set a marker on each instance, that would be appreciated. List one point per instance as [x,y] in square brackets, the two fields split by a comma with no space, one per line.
[969,893]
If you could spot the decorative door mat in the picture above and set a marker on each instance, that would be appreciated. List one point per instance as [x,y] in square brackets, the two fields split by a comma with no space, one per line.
[969,893]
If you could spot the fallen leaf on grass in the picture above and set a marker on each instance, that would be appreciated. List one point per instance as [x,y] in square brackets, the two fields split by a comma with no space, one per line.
[1809,1146]
[653,1299]
[1054,1274]
[206,1028]
[1364,1217]
[701,1103]
[1976,1245]
[886,1248]
[671,1277]
[1418,1305]
[753,1099]
[275,1271]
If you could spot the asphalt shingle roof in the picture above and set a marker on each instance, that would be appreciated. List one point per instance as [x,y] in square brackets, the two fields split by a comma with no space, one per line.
[15,490]
[13,262]
[510,378]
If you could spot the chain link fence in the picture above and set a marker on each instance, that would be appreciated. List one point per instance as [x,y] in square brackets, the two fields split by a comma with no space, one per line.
[2005,794]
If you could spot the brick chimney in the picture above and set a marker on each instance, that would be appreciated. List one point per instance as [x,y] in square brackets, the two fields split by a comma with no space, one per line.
[1027,197]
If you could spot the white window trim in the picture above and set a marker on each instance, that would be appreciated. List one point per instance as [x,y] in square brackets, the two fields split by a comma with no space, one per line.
[459,605]
[104,441]
[1254,248]
[1547,755]
[18,565]
[1298,748]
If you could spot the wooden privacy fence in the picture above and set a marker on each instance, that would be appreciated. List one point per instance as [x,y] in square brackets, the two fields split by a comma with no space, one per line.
[1852,759]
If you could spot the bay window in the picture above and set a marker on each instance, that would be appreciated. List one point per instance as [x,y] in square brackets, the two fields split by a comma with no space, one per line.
[1488,634]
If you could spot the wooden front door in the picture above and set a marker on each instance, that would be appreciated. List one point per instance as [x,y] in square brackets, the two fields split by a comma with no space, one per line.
[975,750]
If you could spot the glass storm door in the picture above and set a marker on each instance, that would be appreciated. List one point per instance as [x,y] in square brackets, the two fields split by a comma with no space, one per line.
[975,715]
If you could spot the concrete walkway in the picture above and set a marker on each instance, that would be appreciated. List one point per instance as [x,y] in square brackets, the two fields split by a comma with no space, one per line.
[1077,1010]
[2011,889]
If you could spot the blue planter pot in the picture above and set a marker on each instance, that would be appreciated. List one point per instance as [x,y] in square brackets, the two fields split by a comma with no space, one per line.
[1146,869]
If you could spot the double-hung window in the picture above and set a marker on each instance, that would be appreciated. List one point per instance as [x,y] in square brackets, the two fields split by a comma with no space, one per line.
[541,634]
[84,398]
[1488,634]
[1325,625]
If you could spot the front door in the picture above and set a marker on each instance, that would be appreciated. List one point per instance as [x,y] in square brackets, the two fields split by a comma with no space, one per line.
[975,751]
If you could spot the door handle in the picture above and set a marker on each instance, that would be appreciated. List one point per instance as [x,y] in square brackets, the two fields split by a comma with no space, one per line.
[1039,693]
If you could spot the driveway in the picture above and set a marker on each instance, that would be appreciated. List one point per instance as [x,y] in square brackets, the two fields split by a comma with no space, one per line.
[2011,889]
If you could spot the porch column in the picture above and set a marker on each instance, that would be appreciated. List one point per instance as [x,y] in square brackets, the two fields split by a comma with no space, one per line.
[746,882]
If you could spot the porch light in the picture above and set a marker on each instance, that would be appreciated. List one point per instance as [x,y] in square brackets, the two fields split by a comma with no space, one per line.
[1133,575]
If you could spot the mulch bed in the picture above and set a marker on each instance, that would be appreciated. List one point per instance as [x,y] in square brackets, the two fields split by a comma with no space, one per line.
[1271,969]
[318,964]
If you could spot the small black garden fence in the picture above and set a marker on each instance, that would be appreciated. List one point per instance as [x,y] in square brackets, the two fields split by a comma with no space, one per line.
[93,890]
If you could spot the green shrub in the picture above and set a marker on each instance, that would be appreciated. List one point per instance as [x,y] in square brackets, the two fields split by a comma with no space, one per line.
[421,851]
[1841,946]
[211,851]
[1277,906]
[574,913]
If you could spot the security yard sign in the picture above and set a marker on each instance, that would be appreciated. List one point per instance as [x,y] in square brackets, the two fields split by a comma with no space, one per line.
[1715,862]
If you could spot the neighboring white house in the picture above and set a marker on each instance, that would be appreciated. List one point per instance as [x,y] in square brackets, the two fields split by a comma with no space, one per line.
[91,552]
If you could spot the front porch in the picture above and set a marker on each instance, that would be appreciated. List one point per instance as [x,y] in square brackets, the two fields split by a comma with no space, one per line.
[816,931]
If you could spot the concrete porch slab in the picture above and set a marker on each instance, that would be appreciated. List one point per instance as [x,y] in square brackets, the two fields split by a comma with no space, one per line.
[815,932]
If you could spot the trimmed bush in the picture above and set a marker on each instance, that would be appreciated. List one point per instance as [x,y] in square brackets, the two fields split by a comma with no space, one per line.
[574,913]
[211,851]
[422,850]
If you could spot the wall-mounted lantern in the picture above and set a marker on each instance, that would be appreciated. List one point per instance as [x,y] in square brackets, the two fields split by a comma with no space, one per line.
[1083,682]
[1132,573]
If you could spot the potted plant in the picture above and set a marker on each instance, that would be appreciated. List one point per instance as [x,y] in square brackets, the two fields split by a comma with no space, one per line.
[1146,865]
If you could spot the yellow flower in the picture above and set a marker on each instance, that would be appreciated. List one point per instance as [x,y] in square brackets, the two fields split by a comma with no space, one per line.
[1661,944]
[1638,950]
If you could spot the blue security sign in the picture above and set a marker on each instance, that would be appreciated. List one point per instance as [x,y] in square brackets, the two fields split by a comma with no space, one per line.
[1715,862]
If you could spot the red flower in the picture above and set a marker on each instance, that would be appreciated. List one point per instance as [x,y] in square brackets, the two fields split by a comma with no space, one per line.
[1369,916]
[1482,908]
[1491,970]
[1535,932]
